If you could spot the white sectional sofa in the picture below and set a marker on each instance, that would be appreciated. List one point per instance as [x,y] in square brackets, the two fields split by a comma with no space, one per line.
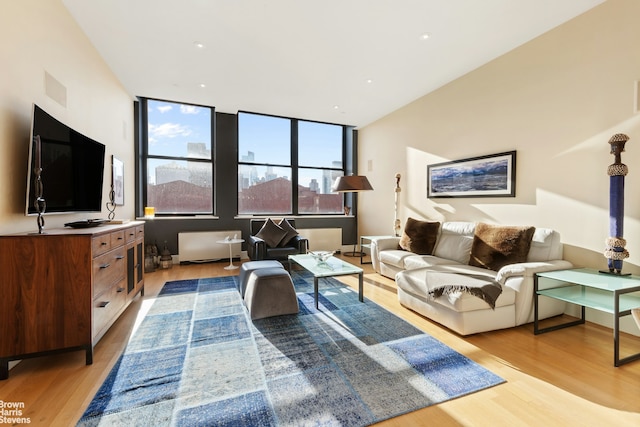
[459,310]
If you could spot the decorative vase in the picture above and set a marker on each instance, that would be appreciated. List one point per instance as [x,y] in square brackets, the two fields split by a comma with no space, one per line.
[166,261]
[149,262]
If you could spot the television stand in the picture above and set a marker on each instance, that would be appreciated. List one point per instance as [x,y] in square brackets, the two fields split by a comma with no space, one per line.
[62,291]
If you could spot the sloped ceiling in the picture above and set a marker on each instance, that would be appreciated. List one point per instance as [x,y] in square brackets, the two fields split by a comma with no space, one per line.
[339,61]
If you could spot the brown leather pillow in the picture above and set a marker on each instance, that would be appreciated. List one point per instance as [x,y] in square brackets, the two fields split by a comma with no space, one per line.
[271,233]
[495,246]
[419,237]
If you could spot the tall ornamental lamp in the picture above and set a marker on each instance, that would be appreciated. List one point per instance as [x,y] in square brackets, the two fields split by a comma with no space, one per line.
[352,184]
[615,251]
[396,222]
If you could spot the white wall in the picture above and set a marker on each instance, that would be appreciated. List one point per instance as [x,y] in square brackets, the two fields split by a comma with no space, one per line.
[39,37]
[556,100]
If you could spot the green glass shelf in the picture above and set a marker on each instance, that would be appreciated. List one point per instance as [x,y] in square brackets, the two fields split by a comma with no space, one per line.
[593,279]
[598,299]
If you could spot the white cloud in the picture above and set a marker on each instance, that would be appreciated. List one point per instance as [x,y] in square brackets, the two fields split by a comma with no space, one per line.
[189,109]
[168,130]
[164,108]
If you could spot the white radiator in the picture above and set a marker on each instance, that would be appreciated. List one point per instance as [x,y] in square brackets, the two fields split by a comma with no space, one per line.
[323,239]
[203,246]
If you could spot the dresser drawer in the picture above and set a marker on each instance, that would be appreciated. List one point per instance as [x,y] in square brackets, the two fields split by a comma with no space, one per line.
[101,244]
[107,306]
[117,238]
[130,234]
[140,232]
[108,269]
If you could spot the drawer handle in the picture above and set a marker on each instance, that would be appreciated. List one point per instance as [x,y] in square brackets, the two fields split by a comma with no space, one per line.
[105,265]
[120,290]
[132,234]
[120,238]
[103,304]
[119,257]
[103,243]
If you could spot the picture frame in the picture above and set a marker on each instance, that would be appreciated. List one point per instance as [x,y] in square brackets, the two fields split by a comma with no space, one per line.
[493,175]
[117,181]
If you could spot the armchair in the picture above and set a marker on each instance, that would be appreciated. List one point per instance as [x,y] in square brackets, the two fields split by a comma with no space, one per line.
[259,249]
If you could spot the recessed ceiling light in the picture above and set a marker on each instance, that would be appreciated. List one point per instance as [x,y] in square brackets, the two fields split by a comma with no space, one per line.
[425,36]
[335,107]
[199,45]
[369,80]
[203,85]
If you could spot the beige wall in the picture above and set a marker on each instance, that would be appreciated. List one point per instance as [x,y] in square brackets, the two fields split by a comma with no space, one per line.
[39,37]
[556,100]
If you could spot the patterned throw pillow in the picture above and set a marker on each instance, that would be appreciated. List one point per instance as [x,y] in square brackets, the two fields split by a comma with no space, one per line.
[271,233]
[290,230]
[419,237]
[495,246]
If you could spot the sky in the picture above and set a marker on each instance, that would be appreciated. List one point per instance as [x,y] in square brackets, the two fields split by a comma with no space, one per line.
[172,126]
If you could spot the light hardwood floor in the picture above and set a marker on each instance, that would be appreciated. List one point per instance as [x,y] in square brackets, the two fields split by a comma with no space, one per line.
[562,378]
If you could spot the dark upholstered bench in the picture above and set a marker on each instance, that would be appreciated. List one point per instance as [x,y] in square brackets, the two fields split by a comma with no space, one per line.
[270,292]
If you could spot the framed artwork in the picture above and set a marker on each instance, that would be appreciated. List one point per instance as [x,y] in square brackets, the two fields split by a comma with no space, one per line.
[117,181]
[485,176]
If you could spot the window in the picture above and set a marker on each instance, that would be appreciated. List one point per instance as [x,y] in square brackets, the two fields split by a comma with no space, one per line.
[277,155]
[178,161]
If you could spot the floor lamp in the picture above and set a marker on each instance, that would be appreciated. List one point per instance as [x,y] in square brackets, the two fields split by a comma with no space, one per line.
[352,184]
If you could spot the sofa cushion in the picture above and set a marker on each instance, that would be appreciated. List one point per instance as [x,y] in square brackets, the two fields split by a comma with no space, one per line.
[545,245]
[271,233]
[290,231]
[495,246]
[419,237]
[394,257]
[421,261]
[455,241]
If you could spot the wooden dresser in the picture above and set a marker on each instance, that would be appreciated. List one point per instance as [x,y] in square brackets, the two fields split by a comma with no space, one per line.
[62,290]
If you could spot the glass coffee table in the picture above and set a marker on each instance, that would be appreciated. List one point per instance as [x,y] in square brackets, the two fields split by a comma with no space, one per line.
[331,268]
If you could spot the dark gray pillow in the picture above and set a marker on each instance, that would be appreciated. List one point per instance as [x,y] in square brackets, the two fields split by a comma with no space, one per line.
[288,228]
[271,233]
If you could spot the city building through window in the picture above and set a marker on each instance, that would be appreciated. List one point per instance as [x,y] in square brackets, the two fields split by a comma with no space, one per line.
[179,165]
[287,166]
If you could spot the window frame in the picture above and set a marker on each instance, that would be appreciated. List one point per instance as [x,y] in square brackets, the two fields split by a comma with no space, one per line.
[293,165]
[144,157]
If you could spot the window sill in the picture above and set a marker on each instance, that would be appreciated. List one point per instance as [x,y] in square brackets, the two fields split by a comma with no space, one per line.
[328,216]
[177,217]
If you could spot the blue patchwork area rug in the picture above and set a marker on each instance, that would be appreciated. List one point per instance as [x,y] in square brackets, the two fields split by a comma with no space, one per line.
[198,360]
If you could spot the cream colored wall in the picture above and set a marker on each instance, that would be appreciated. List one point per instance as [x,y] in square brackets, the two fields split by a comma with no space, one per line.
[556,100]
[40,37]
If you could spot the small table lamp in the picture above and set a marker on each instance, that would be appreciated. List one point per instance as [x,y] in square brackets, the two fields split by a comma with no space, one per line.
[352,184]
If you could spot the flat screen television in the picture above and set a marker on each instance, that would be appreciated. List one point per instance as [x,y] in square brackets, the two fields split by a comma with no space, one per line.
[72,167]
